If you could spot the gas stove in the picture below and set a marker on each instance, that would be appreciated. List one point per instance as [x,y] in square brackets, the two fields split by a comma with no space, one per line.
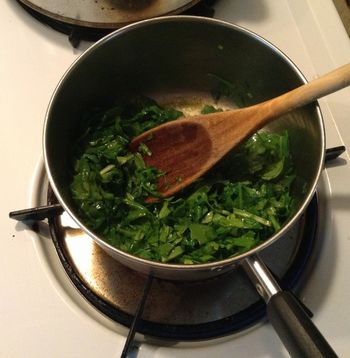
[43,314]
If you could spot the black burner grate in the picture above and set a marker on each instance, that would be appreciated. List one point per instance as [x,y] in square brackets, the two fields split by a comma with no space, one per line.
[231,324]
[78,33]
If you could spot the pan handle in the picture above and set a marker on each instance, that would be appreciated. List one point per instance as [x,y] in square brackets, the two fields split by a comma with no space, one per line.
[287,315]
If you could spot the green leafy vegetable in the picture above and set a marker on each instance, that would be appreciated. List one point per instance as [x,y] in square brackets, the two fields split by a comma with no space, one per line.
[210,109]
[220,216]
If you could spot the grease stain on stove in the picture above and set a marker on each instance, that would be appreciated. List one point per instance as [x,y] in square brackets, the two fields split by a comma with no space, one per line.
[131,4]
[125,5]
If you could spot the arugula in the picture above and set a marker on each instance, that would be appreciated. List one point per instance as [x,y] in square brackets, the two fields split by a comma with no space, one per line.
[226,213]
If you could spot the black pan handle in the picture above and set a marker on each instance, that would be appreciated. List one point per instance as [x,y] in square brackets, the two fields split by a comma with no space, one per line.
[288,317]
[295,328]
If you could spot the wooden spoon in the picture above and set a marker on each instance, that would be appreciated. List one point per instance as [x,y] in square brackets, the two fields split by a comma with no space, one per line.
[186,148]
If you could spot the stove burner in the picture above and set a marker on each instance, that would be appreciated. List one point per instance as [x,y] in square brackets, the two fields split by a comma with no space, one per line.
[93,31]
[181,311]
[208,309]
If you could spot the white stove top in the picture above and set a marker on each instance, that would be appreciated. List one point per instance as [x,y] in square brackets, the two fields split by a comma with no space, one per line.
[42,315]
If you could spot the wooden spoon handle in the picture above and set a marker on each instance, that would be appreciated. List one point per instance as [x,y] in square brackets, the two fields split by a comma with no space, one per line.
[309,92]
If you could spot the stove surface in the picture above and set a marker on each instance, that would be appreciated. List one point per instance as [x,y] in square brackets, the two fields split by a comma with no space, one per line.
[42,313]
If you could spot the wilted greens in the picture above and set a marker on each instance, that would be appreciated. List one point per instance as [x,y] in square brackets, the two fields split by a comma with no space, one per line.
[224,214]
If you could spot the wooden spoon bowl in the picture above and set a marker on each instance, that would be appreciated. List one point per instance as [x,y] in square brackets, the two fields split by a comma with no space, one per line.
[186,148]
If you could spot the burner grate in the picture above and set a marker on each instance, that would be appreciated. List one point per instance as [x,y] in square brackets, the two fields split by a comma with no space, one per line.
[77,33]
[190,326]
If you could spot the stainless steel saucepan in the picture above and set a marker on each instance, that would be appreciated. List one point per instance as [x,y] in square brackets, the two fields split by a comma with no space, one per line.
[173,55]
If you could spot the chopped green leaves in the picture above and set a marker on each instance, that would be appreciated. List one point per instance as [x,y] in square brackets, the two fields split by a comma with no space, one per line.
[220,216]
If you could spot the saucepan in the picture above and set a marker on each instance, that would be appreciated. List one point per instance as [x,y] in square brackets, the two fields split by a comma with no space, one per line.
[185,54]
[178,55]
